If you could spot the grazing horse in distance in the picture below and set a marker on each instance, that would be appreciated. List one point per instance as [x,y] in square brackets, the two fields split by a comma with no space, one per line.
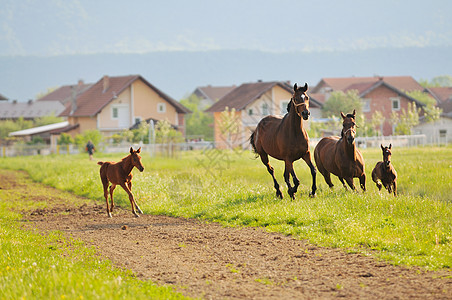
[340,156]
[120,173]
[384,172]
[286,139]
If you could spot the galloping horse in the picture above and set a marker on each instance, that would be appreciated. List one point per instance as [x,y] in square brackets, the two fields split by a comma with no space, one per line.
[286,139]
[340,155]
[120,173]
[384,172]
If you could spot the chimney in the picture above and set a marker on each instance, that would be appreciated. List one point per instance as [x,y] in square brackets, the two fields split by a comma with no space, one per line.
[73,99]
[80,83]
[106,83]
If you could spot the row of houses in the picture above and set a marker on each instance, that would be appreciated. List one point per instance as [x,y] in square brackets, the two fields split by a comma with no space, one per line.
[114,104]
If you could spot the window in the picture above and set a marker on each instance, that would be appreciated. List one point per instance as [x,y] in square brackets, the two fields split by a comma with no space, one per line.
[283,107]
[250,112]
[395,103]
[114,113]
[265,111]
[442,133]
[366,105]
[161,107]
[137,120]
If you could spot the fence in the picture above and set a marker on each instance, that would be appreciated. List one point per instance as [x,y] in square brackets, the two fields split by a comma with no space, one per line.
[171,149]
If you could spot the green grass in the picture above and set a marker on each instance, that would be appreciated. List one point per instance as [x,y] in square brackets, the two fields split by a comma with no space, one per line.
[235,189]
[33,266]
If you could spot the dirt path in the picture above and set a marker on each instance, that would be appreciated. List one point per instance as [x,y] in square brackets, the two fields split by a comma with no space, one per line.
[213,262]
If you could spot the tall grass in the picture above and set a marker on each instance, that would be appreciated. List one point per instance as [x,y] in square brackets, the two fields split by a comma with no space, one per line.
[235,189]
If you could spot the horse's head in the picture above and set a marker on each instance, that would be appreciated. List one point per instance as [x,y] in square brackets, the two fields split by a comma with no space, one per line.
[386,154]
[136,159]
[348,127]
[301,101]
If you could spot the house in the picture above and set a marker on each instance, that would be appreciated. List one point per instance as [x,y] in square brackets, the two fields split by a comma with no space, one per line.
[114,104]
[29,110]
[439,131]
[211,94]
[384,94]
[65,93]
[3,97]
[251,102]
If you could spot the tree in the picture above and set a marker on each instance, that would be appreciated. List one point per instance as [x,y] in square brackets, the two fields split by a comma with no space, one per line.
[65,139]
[46,120]
[432,113]
[342,102]
[377,121]
[165,133]
[438,81]
[94,135]
[406,120]
[198,122]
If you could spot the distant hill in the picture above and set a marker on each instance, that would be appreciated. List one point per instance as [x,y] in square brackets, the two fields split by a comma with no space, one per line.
[179,73]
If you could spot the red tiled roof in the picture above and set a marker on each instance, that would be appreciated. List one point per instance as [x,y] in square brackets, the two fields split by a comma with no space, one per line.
[215,92]
[444,98]
[245,94]
[93,100]
[64,93]
[443,94]
[403,83]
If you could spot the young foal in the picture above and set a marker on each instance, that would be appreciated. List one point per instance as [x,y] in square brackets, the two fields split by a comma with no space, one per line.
[120,173]
[340,155]
[384,172]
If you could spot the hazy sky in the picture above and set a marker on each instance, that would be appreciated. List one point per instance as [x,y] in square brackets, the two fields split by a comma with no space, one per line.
[58,27]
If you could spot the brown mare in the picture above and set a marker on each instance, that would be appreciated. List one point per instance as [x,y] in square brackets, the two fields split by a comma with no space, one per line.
[286,139]
[340,155]
[384,172]
[120,173]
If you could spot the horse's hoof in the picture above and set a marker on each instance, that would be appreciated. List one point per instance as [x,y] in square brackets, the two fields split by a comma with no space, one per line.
[109,214]
[312,195]
[136,215]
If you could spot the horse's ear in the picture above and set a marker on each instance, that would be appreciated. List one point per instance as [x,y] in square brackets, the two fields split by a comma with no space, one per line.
[305,88]
[382,148]
[342,115]
[295,87]
[131,150]
[390,145]
[354,113]
[139,150]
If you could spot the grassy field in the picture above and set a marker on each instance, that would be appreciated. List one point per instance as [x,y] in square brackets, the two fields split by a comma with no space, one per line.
[33,266]
[235,189]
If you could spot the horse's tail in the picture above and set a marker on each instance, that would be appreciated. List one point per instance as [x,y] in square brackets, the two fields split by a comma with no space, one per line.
[253,143]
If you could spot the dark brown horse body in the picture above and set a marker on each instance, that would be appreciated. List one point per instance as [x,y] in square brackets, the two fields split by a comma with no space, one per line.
[340,156]
[120,173]
[384,172]
[286,139]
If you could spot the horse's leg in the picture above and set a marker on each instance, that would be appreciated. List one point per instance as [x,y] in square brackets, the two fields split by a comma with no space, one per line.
[129,184]
[264,159]
[307,159]
[287,171]
[343,182]
[375,179]
[112,188]
[132,201]
[394,184]
[362,182]
[349,180]
[105,185]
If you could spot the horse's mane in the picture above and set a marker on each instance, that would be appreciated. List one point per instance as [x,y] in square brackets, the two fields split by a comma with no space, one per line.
[288,105]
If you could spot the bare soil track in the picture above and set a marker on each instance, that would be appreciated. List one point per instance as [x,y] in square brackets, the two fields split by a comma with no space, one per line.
[210,261]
